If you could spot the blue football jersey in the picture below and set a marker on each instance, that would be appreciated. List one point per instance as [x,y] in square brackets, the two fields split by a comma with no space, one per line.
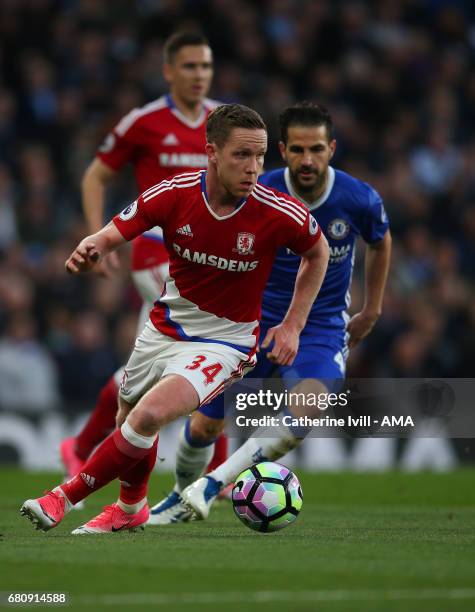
[347,209]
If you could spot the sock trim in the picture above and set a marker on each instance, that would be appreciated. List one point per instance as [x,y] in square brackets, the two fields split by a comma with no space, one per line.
[135,438]
[68,504]
[132,508]
[195,443]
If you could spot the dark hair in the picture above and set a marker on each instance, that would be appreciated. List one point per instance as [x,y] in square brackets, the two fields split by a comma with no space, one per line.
[226,117]
[307,114]
[181,39]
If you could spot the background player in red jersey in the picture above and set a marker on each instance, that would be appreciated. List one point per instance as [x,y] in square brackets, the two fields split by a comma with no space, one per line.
[160,139]
[203,332]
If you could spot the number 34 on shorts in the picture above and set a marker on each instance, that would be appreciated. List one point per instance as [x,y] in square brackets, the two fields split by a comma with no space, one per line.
[208,366]
[209,371]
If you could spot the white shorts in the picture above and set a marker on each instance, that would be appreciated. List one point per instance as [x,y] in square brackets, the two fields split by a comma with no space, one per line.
[209,367]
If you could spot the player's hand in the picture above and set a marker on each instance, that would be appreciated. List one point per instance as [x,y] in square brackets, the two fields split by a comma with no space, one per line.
[360,326]
[122,413]
[286,343]
[83,259]
[108,265]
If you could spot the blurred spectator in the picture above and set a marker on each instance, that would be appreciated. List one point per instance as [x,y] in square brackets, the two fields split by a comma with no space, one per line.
[28,376]
[8,126]
[87,362]
[438,164]
[8,223]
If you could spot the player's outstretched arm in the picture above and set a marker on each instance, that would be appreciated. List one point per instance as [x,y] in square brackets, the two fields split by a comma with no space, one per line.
[91,249]
[307,285]
[377,258]
[93,185]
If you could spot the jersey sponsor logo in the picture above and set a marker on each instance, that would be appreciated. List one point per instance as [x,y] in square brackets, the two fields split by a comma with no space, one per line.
[244,244]
[338,229]
[107,144]
[170,140]
[129,212]
[183,160]
[185,230]
[339,254]
[312,225]
[205,259]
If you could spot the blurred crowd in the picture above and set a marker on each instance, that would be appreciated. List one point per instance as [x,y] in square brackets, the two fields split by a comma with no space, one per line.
[399,80]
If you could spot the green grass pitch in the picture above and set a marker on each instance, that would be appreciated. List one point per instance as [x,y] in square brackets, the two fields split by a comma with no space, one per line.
[372,542]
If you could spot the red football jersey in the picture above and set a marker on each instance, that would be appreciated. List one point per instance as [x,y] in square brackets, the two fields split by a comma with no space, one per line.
[219,266]
[160,142]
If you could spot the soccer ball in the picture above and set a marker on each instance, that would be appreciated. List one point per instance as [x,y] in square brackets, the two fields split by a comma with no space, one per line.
[267,497]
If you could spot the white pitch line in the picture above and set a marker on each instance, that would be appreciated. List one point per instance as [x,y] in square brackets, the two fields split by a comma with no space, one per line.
[272,596]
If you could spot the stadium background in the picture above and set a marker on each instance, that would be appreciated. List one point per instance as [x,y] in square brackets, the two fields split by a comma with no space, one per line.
[399,81]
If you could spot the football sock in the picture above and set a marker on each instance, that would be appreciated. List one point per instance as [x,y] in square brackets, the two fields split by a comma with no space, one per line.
[100,423]
[220,452]
[134,482]
[192,457]
[132,508]
[68,505]
[254,450]
[119,452]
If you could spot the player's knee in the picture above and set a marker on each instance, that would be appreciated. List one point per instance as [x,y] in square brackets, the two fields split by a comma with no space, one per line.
[145,420]
[204,428]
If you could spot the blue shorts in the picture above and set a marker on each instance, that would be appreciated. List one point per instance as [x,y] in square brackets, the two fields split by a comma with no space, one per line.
[322,357]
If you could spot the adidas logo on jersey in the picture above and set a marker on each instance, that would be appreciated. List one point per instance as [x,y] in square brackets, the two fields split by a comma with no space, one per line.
[185,231]
[89,480]
[170,140]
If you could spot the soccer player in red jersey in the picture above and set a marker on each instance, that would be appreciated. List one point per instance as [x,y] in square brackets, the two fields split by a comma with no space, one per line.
[160,139]
[222,233]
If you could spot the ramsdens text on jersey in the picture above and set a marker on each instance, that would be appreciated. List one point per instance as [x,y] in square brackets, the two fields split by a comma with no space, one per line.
[232,265]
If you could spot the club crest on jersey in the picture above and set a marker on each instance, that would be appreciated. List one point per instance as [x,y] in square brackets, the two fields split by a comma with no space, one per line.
[338,229]
[129,212]
[245,242]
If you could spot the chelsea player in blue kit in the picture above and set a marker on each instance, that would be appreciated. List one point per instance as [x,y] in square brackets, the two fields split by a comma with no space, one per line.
[345,209]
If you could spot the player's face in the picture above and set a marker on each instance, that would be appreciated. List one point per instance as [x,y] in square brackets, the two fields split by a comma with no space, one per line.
[307,154]
[240,160]
[190,73]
